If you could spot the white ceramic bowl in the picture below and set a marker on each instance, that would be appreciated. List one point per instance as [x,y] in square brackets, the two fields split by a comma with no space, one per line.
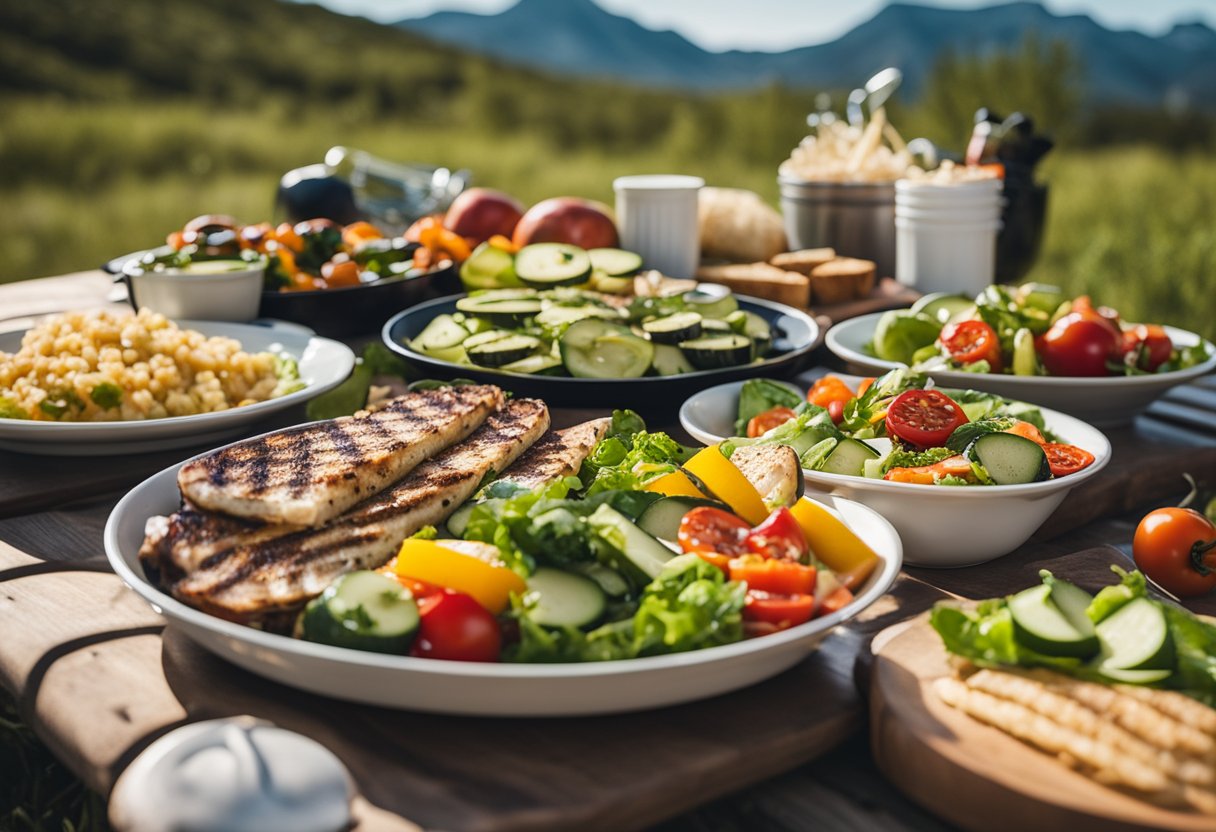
[1114,400]
[490,689]
[939,526]
[198,293]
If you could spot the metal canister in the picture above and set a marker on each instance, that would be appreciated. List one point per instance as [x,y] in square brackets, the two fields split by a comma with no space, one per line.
[855,218]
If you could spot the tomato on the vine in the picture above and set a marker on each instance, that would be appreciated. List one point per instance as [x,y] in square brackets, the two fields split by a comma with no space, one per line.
[924,418]
[972,341]
[1176,547]
[1077,345]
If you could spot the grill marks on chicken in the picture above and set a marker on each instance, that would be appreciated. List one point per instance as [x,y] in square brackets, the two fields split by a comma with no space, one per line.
[559,453]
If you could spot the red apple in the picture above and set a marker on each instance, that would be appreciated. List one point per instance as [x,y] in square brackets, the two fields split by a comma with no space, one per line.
[480,213]
[567,219]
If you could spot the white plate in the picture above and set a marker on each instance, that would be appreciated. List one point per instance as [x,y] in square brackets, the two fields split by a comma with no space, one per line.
[939,525]
[324,364]
[489,689]
[1114,400]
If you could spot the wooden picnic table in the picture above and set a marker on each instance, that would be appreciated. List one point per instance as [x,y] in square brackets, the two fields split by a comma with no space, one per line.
[98,675]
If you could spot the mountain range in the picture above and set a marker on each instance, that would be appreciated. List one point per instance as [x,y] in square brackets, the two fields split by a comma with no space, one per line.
[578,37]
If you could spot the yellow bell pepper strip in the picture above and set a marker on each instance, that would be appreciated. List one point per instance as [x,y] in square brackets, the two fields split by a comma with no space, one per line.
[466,566]
[834,543]
[675,484]
[728,484]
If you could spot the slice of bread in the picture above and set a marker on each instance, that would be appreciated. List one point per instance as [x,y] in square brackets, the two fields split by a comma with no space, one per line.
[803,261]
[760,280]
[841,280]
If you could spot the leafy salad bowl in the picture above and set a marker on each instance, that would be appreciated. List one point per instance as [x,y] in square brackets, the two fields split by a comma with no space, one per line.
[941,526]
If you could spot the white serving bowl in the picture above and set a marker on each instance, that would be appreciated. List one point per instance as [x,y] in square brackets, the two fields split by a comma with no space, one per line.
[197,292]
[1114,400]
[940,526]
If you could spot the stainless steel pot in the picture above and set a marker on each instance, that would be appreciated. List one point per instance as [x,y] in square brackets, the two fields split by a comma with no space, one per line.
[855,218]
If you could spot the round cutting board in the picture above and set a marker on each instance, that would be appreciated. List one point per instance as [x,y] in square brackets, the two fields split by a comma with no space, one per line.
[976,776]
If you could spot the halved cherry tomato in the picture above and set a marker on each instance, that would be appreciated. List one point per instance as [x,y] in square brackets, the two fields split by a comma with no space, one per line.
[779,611]
[924,418]
[835,600]
[1176,547]
[708,529]
[1077,345]
[1066,459]
[762,423]
[779,536]
[457,628]
[786,577]
[1027,431]
[972,341]
[1147,346]
[954,466]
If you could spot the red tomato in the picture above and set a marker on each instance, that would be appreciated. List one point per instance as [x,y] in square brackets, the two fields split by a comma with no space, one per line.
[827,390]
[456,628]
[1029,431]
[836,410]
[785,577]
[924,418]
[778,611]
[1103,314]
[835,600]
[1079,346]
[1174,547]
[779,536]
[762,423]
[707,529]
[1150,346]
[972,341]
[1066,459]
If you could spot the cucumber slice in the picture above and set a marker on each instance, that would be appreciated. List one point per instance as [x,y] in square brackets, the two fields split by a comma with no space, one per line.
[759,331]
[1009,459]
[1136,677]
[712,352]
[564,599]
[363,611]
[1041,296]
[942,306]
[848,458]
[533,364]
[1040,625]
[487,337]
[1135,637]
[1025,361]
[608,285]
[501,311]
[592,348]
[717,303]
[615,262]
[637,550]
[488,267]
[458,520]
[503,350]
[611,581]
[669,361]
[552,264]
[1072,601]
[715,326]
[682,326]
[661,519]
[442,333]
[562,315]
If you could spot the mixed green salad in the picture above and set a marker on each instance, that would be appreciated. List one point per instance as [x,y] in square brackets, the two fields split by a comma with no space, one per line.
[901,429]
[572,332]
[1030,330]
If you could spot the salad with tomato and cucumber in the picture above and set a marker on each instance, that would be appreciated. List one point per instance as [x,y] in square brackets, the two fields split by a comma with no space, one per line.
[653,548]
[899,428]
[1030,330]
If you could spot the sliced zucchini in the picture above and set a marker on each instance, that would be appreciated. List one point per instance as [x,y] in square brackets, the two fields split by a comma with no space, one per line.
[564,599]
[715,326]
[552,264]
[609,285]
[942,306]
[533,364]
[442,333]
[1040,625]
[717,303]
[503,351]
[487,268]
[670,361]
[637,550]
[562,315]
[615,262]
[1009,459]
[486,337]
[363,611]
[661,519]
[848,458]
[501,311]
[592,348]
[711,352]
[1136,637]
[759,331]
[682,326]
[609,579]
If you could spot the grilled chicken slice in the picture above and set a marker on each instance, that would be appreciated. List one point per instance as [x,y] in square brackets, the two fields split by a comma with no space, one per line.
[559,453]
[259,581]
[774,471]
[307,475]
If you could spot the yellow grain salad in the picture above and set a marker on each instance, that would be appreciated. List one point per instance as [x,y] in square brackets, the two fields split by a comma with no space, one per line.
[114,365]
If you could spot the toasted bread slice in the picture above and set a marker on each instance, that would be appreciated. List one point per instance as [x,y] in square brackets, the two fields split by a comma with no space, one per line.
[760,280]
[804,260]
[842,279]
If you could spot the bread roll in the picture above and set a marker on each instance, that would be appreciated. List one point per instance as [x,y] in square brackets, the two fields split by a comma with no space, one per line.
[737,225]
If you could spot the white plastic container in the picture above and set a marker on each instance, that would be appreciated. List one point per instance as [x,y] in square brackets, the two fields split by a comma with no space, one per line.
[199,292]
[657,218]
[945,234]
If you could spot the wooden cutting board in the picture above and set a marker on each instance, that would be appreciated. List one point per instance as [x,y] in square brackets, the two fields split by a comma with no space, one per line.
[976,776]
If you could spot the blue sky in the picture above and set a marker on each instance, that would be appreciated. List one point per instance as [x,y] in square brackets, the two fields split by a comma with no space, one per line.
[783,24]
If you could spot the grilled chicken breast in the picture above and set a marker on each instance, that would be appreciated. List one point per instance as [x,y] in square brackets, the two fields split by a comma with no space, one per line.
[559,453]
[774,470]
[308,475]
[257,581]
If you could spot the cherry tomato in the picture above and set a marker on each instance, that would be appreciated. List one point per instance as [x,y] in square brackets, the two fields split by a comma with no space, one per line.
[779,536]
[1029,431]
[1148,345]
[785,577]
[924,418]
[1079,346]
[1174,547]
[456,628]
[972,341]
[1066,459]
[835,600]
[827,390]
[836,410]
[762,423]
[708,529]
[779,611]
[1102,314]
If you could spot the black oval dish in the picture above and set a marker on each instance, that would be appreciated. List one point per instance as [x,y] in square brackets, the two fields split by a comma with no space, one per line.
[795,334]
